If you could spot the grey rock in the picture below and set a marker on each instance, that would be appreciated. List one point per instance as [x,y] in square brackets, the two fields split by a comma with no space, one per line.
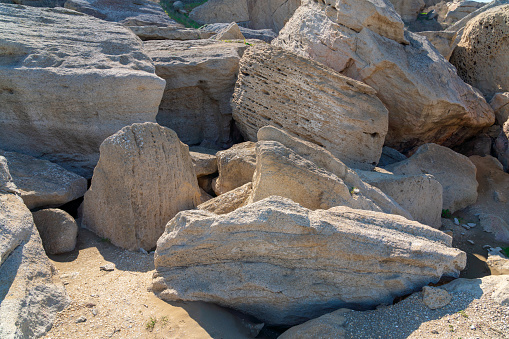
[390,156]
[58,230]
[266,35]
[230,32]
[169,33]
[435,297]
[204,161]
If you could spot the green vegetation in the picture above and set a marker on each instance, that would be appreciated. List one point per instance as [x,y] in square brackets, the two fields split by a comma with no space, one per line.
[505,250]
[151,324]
[182,18]
[463,314]
[105,240]
[446,214]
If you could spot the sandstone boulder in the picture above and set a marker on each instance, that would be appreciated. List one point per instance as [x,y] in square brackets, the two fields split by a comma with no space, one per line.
[390,156]
[455,172]
[266,35]
[481,58]
[173,32]
[204,161]
[31,293]
[501,146]
[43,183]
[280,88]
[230,32]
[214,11]
[129,12]
[435,297]
[420,195]
[200,76]
[443,41]
[426,99]
[314,169]
[236,166]
[144,177]
[491,206]
[497,261]
[6,183]
[58,230]
[229,201]
[283,263]
[500,105]
[457,10]
[66,89]
[408,9]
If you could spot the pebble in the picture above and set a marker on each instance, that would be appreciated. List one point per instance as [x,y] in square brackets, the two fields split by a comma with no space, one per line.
[81,320]
[94,311]
[471,242]
[142,250]
[472,327]
[456,221]
[486,247]
[465,226]
[471,224]
[108,267]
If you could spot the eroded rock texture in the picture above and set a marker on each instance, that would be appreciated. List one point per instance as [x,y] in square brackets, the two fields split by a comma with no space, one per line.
[283,263]
[282,89]
[144,177]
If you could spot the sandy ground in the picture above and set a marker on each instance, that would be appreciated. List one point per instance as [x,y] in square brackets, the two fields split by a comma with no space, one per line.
[118,304]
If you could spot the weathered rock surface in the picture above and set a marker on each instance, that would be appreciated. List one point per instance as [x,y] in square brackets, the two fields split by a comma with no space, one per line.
[443,41]
[266,35]
[455,172]
[43,183]
[283,263]
[204,161]
[6,183]
[390,156]
[129,12]
[426,99]
[420,195]
[66,89]
[280,88]
[493,196]
[482,55]
[230,32]
[480,145]
[229,201]
[31,293]
[315,169]
[256,14]
[144,177]
[58,230]
[501,146]
[500,105]
[497,262]
[200,77]
[408,9]
[236,166]
[169,33]
[435,297]
[457,10]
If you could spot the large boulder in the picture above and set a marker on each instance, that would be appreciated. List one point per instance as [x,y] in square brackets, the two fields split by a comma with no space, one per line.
[311,173]
[236,166]
[173,32]
[266,35]
[500,105]
[501,146]
[200,76]
[283,263]
[128,12]
[31,293]
[280,88]
[443,41]
[43,183]
[426,99]
[58,230]
[408,9]
[256,14]
[144,177]
[482,57]
[457,10]
[455,172]
[65,89]
[420,195]
[229,201]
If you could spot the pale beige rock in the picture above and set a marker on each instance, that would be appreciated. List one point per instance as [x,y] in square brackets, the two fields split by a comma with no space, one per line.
[434,297]
[426,99]
[283,263]
[500,105]
[169,33]
[420,195]
[204,161]
[282,89]
[491,206]
[457,10]
[43,183]
[455,172]
[230,32]
[320,159]
[229,201]
[497,262]
[480,57]
[443,41]
[282,172]
[6,183]
[144,177]
[65,89]
[496,285]
[408,9]
[200,77]
[214,11]
[31,293]
[236,166]
[58,230]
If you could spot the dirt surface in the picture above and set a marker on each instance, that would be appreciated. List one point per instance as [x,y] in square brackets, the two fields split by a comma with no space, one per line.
[118,303]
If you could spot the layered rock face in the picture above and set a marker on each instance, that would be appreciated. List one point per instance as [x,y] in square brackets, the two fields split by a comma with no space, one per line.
[200,76]
[482,55]
[144,177]
[257,14]
[283,263]
[65,89]
[280,88]
[42,183]
[427,101]
[455,172]
[31,293]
